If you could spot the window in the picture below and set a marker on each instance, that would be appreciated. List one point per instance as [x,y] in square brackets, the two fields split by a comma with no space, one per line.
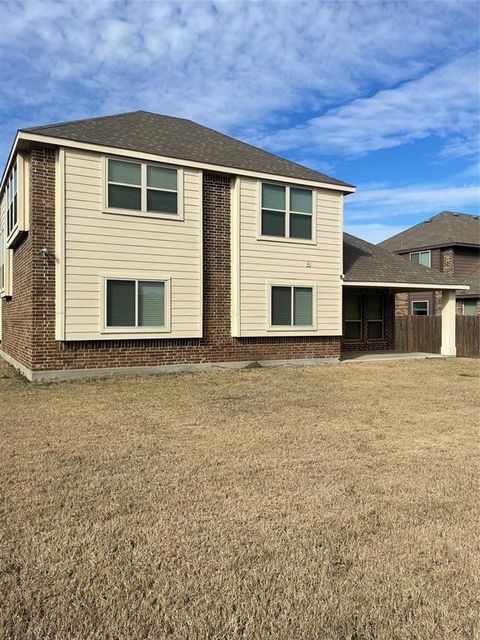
[469,307]
[421,257]
[2,262]
[286,212]
[138,186]
[374,306]
[12,202]
[353,317]
[135,303]
[291,306]
[420,308]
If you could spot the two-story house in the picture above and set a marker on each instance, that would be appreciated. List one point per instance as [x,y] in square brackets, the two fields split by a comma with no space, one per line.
[147,243]
[448,242]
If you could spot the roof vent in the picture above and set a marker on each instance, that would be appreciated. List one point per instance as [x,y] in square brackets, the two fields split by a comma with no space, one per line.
[428,220]
[456,215]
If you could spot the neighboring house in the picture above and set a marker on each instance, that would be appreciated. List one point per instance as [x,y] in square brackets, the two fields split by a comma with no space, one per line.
[448,242]
[149,243]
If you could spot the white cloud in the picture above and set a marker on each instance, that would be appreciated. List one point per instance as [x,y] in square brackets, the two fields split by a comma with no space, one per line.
[442,102]
[395,202]
[244,67]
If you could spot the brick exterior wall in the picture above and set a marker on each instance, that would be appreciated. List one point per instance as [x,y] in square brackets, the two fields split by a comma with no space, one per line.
[448,261]
[29,318]
[388,341]
[402,304]
[17,311]
[403,301]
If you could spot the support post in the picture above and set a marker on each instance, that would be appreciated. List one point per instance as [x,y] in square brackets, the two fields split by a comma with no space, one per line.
[448,347]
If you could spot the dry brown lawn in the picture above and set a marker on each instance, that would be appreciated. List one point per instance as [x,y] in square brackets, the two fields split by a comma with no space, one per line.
[330,502]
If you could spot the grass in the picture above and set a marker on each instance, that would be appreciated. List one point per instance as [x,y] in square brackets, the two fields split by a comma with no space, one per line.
[330,502]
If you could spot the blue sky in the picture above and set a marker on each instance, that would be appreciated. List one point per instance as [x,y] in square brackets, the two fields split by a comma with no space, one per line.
[384,95]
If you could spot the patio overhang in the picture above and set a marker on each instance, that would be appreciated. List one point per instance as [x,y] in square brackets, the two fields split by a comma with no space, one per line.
[406,286]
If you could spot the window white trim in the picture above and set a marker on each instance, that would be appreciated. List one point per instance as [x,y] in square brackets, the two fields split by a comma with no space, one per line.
[297,328]
[131,332]
[287,212]
[471,300]
[420,253]
[12,234]
[179,215]
[423,302]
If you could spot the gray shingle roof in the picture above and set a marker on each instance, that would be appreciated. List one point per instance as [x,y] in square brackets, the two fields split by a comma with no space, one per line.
[366,262]
[474,281]
[445,229]
[178,138]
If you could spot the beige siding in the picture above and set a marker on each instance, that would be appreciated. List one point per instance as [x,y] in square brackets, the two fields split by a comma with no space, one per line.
[264,262]
[98,243]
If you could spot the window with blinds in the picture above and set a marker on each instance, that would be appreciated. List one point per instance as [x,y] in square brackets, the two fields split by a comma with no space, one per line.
[286,212]
[138,186]
[135,303]
[291,306]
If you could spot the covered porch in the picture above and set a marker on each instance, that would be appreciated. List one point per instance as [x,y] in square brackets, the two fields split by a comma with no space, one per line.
[369,320]
[372,278]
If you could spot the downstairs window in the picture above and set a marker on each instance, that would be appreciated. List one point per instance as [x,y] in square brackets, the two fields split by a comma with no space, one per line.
[291,306]
[135,303]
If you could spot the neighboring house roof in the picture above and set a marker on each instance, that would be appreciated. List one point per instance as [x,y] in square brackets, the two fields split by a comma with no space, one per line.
[447,228]
[178,138]
[473,280]
[366,262]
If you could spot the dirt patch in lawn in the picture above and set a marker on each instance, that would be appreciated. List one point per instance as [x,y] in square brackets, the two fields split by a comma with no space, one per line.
[329,502]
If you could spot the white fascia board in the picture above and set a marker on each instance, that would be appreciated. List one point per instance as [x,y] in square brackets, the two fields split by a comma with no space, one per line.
[35,137]
[406,285]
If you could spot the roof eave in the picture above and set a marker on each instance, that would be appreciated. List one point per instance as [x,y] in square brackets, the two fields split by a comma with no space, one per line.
[432,246]
[27,136]
[404,285]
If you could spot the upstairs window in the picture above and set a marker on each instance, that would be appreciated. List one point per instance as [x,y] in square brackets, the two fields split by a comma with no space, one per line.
[292,306]
[421,257]
[135,303]
[12,202]
[287,212]
[141,187]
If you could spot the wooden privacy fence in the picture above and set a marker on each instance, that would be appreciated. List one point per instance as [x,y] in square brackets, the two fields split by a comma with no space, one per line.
[424,333]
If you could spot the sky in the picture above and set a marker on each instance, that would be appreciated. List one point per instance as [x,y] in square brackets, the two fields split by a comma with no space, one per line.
[383,95]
